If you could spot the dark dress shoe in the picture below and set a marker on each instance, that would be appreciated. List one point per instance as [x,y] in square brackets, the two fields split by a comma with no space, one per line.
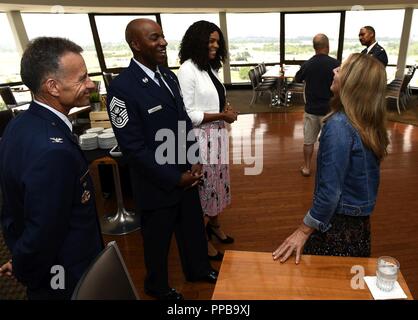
[210,233]
[171,294]
[211,277]
[218,257]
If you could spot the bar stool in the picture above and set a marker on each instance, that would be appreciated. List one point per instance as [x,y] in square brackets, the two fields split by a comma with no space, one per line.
[123,221]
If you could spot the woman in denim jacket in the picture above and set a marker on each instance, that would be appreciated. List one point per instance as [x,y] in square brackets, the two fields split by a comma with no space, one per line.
[352,144]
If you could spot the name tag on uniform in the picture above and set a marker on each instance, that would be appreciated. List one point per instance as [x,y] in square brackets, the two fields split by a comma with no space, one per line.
[152,110]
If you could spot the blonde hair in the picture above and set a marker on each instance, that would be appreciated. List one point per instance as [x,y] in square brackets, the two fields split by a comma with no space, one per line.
[362,99]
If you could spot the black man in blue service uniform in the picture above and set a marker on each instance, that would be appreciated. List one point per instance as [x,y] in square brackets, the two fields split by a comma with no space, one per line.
[144,101]
[48,217]
[367,37]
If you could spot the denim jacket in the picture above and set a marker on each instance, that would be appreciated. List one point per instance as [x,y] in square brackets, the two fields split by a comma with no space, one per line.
[347,177]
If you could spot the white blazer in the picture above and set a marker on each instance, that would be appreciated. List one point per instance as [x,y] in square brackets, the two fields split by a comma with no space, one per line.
[199,92]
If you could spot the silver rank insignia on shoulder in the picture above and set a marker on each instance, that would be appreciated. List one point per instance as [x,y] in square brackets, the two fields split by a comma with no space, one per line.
[145,80]
[56,140]
[85,197]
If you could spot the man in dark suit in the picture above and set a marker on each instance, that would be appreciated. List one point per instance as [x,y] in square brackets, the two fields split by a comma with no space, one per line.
[48,216]
[145,106]
[367,37]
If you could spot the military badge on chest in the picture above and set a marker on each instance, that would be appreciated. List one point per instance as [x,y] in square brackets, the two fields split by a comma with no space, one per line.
[118,113]
[86,195]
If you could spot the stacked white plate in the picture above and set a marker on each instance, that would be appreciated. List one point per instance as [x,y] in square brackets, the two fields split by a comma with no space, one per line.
[88,141]
[97,130]
[107,140]
[108,130]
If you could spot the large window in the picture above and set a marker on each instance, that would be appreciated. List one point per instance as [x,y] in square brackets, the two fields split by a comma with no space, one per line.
[253,38]
[300,28]
[9,56]
[75,27]
[111,29]
[412,58]
[175,26]
[388,25]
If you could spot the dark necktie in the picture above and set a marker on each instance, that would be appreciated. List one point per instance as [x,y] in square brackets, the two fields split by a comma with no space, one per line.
[163,86]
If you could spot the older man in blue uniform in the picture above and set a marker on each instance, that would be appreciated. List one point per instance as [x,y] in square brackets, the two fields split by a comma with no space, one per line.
[367,37]
[48,215]
[144,102]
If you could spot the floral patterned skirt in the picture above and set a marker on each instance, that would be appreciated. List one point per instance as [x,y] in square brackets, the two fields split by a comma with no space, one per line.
[215,193]
[348,236]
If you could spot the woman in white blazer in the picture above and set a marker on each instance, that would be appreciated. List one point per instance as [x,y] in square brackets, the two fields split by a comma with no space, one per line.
[202,52]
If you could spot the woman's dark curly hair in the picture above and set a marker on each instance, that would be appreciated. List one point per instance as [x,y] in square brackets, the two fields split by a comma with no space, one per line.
[195,45]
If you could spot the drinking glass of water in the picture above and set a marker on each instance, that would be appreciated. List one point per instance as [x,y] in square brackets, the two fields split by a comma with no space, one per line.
[386,273]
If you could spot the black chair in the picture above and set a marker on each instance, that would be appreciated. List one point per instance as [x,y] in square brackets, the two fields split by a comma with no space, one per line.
[9,99]
[263,67]
[108,77]
[107,278]
[398,89]
[260,87]
[259,71]
[295,87]
[5,117]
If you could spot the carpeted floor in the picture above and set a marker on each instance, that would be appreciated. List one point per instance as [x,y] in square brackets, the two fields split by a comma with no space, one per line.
[10,289]
[240,100]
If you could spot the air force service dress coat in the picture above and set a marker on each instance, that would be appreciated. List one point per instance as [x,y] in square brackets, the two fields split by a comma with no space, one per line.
[143,116]
[379,53]
[48,215]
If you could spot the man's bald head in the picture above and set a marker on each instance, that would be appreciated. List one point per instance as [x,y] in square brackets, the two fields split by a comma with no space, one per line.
[136,28]
[321,44]
[146,40]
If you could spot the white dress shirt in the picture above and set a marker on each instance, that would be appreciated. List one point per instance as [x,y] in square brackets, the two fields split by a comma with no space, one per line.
[199,92]
[371,46]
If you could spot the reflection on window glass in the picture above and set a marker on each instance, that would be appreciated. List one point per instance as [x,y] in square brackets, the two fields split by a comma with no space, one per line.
[300,28]
[111,31]
[9,56]
[412,58]
[388,26]
[253,38]
[175,26]
[75,27]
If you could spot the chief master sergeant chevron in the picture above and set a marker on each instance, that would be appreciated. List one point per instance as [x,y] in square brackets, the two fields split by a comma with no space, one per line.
[143,99]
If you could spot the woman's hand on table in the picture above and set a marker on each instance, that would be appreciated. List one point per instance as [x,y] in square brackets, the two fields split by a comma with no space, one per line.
[294,243]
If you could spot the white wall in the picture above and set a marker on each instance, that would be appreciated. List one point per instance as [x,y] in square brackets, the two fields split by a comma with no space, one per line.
[198,6]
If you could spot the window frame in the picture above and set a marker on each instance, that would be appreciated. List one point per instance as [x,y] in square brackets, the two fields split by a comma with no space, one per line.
[98,43]
[283,34]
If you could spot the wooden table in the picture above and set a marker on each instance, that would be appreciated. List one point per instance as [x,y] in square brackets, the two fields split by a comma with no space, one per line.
[282,81]
[274,72]
[255,276]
